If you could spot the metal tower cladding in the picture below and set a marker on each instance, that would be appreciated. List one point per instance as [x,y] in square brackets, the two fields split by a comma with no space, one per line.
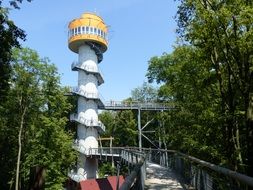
[88,38]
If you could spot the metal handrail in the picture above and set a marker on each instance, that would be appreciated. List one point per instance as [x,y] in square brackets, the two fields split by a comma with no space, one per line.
[87,68]
[233,174]
[178,161]
[138,105]
[77,90]
[87,122]
[184,165]
[133,176]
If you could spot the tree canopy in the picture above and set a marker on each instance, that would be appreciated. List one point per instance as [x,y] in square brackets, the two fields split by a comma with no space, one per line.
[10,34]
[34,119]
[209,76]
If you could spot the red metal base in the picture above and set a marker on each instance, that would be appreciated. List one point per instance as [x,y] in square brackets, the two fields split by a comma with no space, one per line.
[108,183]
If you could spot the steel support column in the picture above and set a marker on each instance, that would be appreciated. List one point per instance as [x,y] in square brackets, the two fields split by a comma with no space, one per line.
[139,127]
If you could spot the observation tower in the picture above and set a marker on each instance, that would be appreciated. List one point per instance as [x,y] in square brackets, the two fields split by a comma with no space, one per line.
[87,36]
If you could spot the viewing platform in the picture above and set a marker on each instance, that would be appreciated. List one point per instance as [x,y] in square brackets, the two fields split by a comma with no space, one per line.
[133,105]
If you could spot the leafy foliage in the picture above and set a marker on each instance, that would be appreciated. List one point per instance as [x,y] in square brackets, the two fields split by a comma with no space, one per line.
[144,93]
[15,3]
[9,36]
[184,81]
[209,77]
[37,97]
[121,126]
[106,168]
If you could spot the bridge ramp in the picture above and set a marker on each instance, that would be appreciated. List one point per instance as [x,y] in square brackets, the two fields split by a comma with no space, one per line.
[159,177]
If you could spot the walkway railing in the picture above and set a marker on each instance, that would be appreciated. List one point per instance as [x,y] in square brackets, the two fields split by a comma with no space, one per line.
[136,179]
[192,172]
[126,105]
[132,157]
[107,152]
[199,174]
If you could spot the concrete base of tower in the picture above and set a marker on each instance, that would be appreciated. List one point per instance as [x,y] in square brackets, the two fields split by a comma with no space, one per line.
[87,168]
[91,167]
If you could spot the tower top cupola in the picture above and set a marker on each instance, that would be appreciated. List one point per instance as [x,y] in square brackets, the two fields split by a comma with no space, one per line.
[89,28]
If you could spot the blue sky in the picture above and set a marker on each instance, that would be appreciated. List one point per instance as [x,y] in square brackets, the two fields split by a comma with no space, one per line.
[139,30]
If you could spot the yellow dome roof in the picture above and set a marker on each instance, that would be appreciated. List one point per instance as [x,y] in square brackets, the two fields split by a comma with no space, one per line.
[91,16]
[88,28]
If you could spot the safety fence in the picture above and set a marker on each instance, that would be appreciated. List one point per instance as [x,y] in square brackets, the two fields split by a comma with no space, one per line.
[136,160]
[198,174]
[192,172]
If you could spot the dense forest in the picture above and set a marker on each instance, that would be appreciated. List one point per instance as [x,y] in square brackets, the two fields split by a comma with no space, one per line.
[34,113]
[208,77]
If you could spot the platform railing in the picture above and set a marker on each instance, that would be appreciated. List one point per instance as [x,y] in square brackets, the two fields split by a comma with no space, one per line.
[87,122]
[138,105]
[105,151]
[136,160]
[199,174]
[192,172]
[91,95]
[131,156]
[87,68]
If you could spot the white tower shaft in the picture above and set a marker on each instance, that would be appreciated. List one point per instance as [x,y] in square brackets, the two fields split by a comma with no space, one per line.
[87,36]
[87,110]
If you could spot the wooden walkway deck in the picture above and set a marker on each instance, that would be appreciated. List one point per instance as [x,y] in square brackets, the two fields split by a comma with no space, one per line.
[159,177]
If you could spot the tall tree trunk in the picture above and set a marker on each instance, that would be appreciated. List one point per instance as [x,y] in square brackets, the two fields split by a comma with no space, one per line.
[19,147]
[237,147]
[250,136]
[37,178]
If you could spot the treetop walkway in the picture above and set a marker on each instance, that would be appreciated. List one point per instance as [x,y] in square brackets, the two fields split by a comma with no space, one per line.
[170,169]
[134,105]
[161,178]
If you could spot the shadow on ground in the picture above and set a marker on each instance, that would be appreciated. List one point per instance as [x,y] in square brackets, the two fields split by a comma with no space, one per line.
[161,178]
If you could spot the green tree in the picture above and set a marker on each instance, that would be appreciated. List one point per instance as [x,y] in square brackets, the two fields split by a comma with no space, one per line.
[122,126]
[144,93]
[125,129]
[185,81]
[148,94]
[36,115]
[10,35]
[222,32]
[108,119]
[210,80]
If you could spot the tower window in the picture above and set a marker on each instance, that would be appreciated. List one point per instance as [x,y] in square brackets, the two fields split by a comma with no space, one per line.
[87,29]
[99,32]
[95,30]
[75,32]
[79,30]
[91,30]
[83,30]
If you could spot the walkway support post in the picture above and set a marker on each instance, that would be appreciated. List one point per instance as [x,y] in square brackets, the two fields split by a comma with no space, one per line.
[139,127]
